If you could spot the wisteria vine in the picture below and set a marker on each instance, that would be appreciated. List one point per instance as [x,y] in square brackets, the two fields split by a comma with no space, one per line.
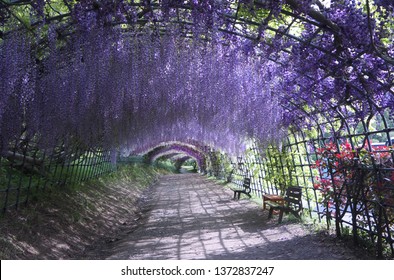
[130,73]
[140,88]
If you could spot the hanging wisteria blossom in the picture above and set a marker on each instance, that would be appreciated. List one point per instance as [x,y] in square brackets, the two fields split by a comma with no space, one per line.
[117,90]
[131,74]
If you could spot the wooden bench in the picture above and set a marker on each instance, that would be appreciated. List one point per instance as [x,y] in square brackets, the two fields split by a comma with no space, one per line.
[245,189]
[292,203]
[272,197]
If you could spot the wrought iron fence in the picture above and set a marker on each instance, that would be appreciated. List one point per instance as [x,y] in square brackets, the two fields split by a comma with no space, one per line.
[351,188]
[25,169]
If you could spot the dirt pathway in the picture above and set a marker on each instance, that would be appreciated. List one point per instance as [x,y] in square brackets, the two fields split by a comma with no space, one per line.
[190,217]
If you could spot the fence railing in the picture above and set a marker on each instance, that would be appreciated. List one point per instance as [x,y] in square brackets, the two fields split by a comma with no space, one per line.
[26,170]
[358,202]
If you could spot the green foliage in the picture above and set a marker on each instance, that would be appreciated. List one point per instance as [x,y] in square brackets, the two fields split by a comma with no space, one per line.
[16,185]
[281,166]
[60,215]
[21,183]
[137,173]
[165,165]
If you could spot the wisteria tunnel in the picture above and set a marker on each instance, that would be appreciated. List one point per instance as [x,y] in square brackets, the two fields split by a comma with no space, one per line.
[287,93]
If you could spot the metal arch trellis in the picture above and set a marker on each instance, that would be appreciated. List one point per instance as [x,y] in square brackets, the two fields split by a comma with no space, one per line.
[143,8]
[355,190]
[376,224]
[363,204]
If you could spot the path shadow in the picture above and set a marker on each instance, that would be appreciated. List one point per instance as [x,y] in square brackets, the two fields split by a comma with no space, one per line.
[190,217]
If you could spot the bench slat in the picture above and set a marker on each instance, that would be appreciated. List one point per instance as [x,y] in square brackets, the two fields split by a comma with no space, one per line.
[273,204]
[293,203]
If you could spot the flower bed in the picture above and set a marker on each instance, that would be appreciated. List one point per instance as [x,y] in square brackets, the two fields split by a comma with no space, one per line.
[357,189]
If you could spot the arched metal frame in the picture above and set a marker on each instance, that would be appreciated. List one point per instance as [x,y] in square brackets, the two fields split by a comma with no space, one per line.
[366,216]
[178,159]
[198,152]
[337,123]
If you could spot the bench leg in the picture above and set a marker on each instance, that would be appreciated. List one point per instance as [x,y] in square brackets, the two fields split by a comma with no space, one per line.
[296,215]
[237,195]
[280,215]
[270,212]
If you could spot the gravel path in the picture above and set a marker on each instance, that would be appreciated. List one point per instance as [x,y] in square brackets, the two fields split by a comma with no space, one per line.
[191,217]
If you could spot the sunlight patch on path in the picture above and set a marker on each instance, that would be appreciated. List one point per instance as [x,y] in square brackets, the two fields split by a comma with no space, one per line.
[192,217]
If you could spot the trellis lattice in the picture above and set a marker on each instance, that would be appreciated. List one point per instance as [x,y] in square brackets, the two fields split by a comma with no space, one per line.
[309,82]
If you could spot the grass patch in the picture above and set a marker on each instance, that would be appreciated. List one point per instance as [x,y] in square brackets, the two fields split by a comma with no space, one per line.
[61,222]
